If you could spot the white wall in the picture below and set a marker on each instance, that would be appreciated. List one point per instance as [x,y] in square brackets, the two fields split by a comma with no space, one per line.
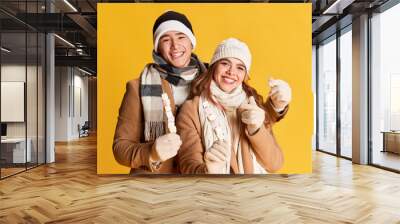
[13,73]
[71,102]
[314,91]
[79,117]
[62,80]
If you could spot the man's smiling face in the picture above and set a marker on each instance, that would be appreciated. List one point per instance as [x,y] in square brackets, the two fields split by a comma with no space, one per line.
[176,48]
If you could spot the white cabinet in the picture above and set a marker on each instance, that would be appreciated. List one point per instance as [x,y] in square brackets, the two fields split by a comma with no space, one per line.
[16,147]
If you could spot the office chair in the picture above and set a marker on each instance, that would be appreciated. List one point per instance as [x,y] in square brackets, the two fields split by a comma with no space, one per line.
[84,130]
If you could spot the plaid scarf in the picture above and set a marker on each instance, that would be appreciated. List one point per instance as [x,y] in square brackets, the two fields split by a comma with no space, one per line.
[151,90]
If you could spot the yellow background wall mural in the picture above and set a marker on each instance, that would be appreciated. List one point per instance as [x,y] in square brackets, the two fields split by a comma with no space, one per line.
[279,38]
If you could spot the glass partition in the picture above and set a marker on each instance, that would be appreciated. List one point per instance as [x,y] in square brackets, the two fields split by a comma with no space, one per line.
[14,153]
[327,96]
[22,88]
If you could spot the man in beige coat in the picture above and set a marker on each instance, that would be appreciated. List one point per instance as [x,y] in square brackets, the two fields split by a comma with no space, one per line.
[145,137]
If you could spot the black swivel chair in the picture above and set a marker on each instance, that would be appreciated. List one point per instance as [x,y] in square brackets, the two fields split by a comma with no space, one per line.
[84,130]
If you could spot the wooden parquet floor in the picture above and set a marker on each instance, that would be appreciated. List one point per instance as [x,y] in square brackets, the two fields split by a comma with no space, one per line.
[10,171]
[70,191]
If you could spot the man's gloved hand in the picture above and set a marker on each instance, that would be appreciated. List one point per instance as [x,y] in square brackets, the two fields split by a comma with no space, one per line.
[166,147]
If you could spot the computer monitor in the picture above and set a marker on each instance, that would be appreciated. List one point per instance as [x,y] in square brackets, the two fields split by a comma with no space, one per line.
[3,129]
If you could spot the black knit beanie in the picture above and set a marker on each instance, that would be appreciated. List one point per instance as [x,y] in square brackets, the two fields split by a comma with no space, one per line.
[172,21]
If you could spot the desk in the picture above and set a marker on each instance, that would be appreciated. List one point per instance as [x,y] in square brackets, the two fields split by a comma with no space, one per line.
[13,150]
[391,141]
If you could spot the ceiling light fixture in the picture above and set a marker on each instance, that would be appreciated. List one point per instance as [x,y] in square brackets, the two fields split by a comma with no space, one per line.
[337,7]
[64,40]
[79,51]
[70,5]
[5,50]
[84,71]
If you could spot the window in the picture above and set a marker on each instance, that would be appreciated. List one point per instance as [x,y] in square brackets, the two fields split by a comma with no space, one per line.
[385,88]
[346,93]
[327,96]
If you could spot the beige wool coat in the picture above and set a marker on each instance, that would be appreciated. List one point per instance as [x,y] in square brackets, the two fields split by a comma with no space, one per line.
[129,147]
[191,153]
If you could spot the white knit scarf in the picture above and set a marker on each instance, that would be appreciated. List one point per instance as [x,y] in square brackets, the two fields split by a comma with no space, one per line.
[215,125]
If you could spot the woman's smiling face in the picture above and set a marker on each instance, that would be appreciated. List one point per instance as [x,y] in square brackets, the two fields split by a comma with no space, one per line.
[229,73]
